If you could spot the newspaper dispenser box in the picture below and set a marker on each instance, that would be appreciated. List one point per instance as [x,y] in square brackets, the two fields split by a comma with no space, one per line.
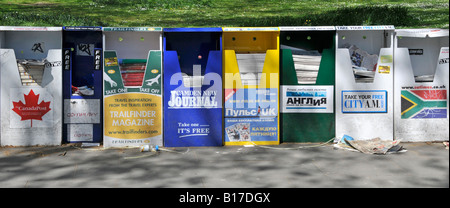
[421,85]
[132,86]
[307,84]
[192,87]
[251,70]
[31,81]
[82,84]
[364,82]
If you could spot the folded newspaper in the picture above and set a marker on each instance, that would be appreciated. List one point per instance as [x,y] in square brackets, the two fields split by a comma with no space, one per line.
[424,78]
[251,67]
[363,63]
[306,64]
[372,146]
[31,71]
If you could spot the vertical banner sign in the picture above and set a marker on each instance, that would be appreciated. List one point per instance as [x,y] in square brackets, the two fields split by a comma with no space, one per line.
[133,115]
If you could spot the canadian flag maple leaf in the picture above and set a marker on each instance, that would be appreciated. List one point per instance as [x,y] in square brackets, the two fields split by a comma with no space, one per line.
[31,109]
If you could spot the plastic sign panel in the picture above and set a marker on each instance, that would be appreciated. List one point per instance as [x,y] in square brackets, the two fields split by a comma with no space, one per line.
[251,66]
[307,99]
[364,101]
[419,103]
[30,107]
[192,87]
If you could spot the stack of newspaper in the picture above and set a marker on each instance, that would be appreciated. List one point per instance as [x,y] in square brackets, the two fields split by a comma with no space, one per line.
[250,67]
[424,78]
[31,71]
[363,64]
[306,64]
[194,81]
[132,71]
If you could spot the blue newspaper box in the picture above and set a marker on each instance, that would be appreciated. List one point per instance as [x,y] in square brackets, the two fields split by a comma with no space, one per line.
[192,87]
[82,84]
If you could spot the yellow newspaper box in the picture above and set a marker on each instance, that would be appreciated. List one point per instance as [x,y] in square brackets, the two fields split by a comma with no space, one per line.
[251,82]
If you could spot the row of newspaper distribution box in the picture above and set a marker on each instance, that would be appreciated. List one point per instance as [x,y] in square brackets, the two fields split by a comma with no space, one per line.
[212,86]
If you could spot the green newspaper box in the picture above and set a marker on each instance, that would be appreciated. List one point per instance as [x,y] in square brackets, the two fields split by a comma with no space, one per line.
[307,83]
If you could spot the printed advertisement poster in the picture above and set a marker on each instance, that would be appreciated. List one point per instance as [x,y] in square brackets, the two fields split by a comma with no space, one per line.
[193,101]
[364,101]
[132,101]
[424,102]
[132,116]
[195,112]
[251,115]
[30,108]
[307,99]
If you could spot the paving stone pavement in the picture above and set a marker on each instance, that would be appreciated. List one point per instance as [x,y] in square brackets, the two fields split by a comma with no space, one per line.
[66,166]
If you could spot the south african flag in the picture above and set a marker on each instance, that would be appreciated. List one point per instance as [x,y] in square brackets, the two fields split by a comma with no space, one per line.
[424,104]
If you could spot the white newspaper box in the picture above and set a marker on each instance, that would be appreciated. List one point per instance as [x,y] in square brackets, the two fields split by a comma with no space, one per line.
[421,85]
[132,97]
[31,85]
[364,82]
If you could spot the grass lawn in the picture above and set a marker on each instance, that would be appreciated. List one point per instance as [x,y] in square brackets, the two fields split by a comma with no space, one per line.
[204,13]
